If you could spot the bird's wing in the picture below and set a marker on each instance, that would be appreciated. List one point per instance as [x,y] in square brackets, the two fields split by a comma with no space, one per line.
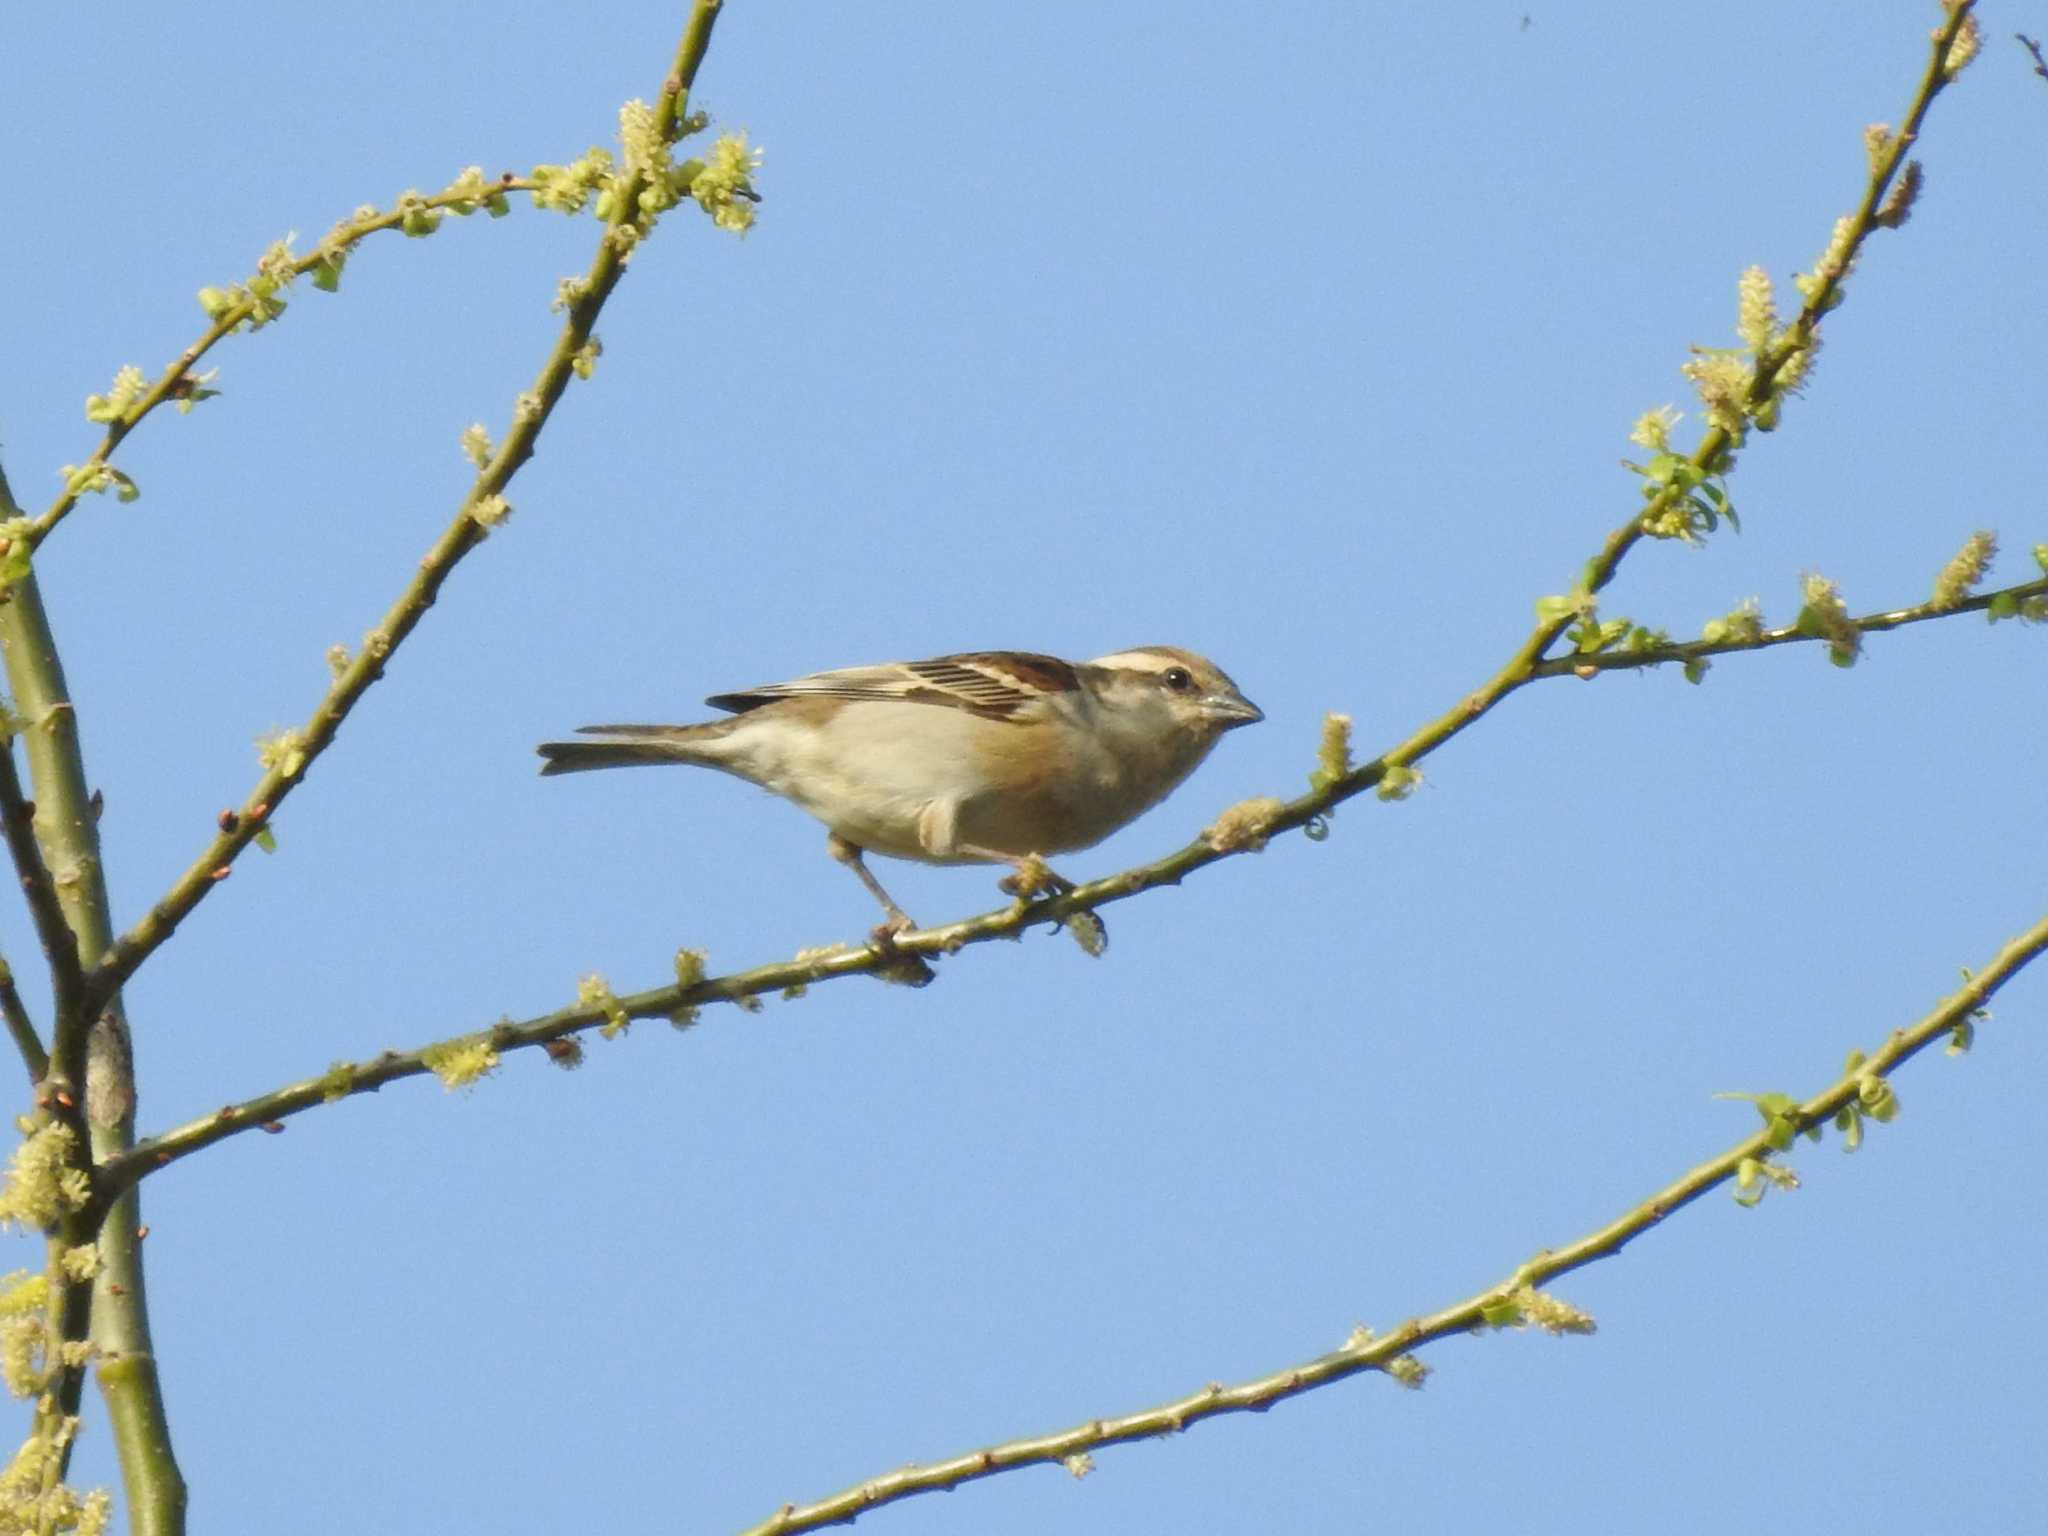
[998,685]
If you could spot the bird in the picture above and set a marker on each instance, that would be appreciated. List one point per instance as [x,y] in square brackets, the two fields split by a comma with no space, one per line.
[985,757]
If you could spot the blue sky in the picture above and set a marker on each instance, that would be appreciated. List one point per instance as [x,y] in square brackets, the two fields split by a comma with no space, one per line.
[1307,337]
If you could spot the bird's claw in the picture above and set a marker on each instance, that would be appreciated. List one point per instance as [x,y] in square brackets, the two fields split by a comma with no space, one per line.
[899,966]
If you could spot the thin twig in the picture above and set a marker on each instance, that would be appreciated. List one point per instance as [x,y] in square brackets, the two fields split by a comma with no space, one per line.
[1468,1316]
[1789,634]
[461,536]
[53,928]
[21,1028]
[172,383]
[2033,46]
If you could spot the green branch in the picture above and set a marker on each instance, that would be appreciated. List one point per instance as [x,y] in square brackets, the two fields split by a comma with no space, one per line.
[21,1028]
[1512,1301]
[89,1046]
[46,909]
[1789,634]
[479,508]
[176,382]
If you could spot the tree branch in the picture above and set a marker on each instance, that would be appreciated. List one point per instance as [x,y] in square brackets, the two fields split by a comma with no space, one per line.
[461,536]
[1509,1302]
[21,1028]
[1789,634]
[89,1047]
[53,929]
[175,382]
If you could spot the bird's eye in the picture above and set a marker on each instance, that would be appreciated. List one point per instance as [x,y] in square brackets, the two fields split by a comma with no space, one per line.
[1179,679]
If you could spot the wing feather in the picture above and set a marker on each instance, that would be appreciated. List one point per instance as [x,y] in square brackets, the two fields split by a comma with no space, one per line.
[998,685]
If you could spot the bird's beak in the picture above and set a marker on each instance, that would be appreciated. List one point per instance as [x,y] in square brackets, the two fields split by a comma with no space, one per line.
[1232,709]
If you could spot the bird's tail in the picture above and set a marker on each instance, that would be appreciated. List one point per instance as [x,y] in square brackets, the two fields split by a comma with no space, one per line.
[643,744]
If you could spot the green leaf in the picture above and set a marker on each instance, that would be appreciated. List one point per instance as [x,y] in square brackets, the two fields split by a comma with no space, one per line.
[2003,606]
[1501,1312]
[1849,1121]
[1695,670]
[266,839]
[1556,608]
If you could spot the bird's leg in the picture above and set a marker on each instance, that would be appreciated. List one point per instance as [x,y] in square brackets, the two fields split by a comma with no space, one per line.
[849,854]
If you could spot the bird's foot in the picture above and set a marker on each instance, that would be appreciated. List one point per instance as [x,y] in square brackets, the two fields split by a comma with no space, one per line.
[899,966]
[1031,877]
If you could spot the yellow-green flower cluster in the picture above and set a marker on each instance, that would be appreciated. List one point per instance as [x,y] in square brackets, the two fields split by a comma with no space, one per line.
[260,300]
[43,1184]
[1245,825]
[1722,380]
[1824,616]
[487,512]
[1898,202]
[567,188]
[461,1063]
[33,1499]
[282,752]
[15,551]
[1552,1315]
[1968,567]
[476,444]
[690,969]
[1398,782]
[1653,428]
[569,292]
[22,1334]
[1744,622]
[1793,372]
[1756,309]
[1405,1369]
[1969,39]
[646,156]
[809,956]
[723,182]
[1408,1371]
[595,992]
[96,479]
[113,405]
[1836,262]
[1333,753]
[471,192]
